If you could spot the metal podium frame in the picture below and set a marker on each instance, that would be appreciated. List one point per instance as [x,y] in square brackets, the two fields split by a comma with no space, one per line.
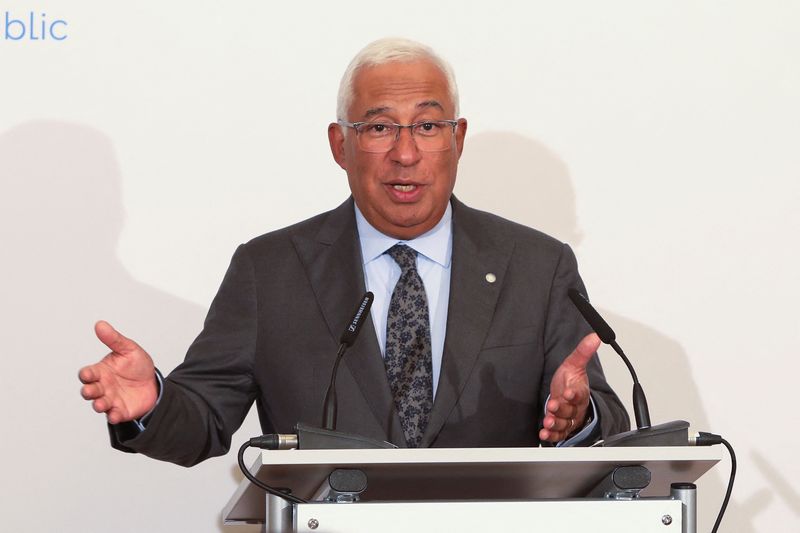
[476,489]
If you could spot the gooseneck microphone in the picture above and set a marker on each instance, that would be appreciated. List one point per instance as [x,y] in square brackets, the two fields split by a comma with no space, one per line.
[675,433]
[313,438]
[310,437]
[607,335]
[347,339]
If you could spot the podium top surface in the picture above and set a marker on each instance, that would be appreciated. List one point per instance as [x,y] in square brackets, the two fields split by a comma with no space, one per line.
[466,473]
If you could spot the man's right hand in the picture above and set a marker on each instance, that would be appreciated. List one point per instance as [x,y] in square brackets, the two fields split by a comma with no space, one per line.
[123,384]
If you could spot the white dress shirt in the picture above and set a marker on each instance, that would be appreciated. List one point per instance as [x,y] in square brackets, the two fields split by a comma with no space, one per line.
[434,252]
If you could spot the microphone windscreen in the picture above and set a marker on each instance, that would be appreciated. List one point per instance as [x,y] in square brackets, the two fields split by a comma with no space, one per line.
[594,319]
[359,317]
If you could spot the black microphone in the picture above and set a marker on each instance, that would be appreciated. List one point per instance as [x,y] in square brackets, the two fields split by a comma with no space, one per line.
[325,438]
[674,433]
[591,315]
[607,335]
[347,339]
[351,331]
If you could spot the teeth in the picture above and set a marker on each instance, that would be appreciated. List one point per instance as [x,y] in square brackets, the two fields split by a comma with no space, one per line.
[404,188]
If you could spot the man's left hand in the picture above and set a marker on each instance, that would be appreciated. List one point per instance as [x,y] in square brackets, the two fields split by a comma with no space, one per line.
[569,393]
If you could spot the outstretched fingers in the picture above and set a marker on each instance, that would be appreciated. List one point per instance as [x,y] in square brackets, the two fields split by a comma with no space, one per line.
[569,393]
[95,389]
[123,384]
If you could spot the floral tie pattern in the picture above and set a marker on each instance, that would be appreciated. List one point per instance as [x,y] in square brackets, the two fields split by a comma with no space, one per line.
[408,347]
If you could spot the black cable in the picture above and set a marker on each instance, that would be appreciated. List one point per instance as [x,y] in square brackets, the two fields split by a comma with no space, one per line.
[730,484]
[281,493]
[709,439]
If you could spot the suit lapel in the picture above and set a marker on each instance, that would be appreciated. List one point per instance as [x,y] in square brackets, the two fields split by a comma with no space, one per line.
[332,260]
[476,253]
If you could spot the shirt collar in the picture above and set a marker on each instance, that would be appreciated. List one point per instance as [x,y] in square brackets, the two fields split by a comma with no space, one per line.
[435,244]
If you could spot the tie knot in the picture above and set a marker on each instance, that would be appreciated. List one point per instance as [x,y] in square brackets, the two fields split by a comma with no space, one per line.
[403,255]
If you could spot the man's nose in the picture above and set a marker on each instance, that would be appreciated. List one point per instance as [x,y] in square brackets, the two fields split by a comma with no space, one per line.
[405,150]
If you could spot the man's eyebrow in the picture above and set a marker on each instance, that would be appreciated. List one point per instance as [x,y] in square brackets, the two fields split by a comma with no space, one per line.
[376,111]
[430,103]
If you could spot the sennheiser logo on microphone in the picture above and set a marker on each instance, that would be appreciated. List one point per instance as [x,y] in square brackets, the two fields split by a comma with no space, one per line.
[351,331]
[356,319]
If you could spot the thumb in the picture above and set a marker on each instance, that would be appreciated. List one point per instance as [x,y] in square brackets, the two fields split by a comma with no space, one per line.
[584,352]
[112,338]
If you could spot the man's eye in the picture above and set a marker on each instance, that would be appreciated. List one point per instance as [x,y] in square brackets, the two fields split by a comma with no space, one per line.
[427,128]
[378,128]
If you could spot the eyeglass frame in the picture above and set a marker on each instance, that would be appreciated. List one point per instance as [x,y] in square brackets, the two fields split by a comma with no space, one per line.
[355,125]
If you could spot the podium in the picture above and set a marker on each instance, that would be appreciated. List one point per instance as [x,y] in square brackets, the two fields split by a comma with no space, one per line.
[620,490]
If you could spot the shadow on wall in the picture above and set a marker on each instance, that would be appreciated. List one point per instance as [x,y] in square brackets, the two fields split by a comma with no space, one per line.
[523,180]
[782,486]
[61,214]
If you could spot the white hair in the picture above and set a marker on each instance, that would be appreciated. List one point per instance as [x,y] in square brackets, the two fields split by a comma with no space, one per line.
[389,50]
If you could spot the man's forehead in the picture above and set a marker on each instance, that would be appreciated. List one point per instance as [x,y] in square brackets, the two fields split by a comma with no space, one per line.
[417,85]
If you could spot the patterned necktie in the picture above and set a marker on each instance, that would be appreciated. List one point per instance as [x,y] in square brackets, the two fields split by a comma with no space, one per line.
[408,347]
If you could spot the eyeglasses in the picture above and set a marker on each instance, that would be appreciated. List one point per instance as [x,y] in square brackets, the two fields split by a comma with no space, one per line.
[379,137]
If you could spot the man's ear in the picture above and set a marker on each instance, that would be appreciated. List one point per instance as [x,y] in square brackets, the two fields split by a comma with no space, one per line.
[461,132]
[336,140]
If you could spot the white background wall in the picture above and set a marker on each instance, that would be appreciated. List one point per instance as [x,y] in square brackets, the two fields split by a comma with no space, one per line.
[659,138]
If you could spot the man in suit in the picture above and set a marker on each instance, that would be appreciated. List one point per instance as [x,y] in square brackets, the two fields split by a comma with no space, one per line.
[471,342]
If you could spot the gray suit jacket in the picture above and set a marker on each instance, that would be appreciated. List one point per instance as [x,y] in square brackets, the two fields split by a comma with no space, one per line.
[272,332]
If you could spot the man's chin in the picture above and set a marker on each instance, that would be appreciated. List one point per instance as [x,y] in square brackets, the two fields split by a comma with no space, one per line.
[409,228]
